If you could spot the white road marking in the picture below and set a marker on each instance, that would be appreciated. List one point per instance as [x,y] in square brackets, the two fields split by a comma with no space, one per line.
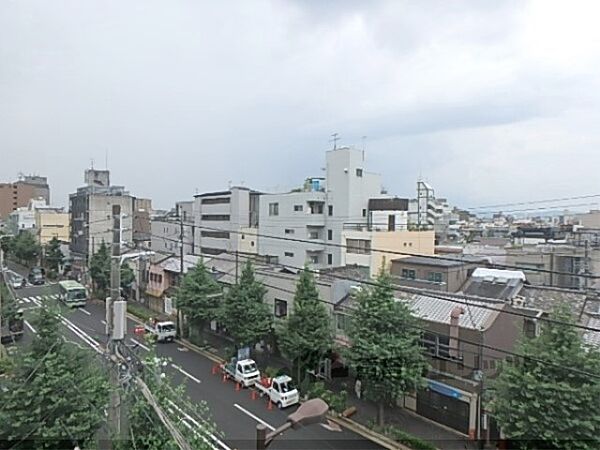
[197,424]
[85,312]
[140,344]
[30,327]
[191,377]
[25,299]
[38,298]
[258,419]
[54,296]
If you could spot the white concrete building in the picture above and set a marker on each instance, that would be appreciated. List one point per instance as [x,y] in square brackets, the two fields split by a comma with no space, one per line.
[166,229]
[222,220]
[318,212]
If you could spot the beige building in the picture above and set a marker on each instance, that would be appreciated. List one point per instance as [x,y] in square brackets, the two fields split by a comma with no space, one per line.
[52,223]
[361,247]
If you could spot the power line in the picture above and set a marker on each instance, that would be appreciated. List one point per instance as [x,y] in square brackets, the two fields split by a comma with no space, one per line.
[455,298]
[392,252]
[533,202]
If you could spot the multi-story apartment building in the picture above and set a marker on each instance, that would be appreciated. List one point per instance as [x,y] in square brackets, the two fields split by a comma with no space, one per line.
[318,212]
[52,222]
[91,216]
[18,194]
[226,221]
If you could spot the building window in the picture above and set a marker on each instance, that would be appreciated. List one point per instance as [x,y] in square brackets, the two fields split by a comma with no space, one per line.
[280,308]
[314,259]
[329,235]
[364,212]
[438,345]
[215,234]
[243,237]
[215,217]
[297,208]
[289,231]
[251,243]
[359,172]
[329,258]
[289,254]
[530,328]
[215,201]
[342,322]
[330,210]
[358,246]
[434,277]
[313,234]
[315,207]
[409,274]
[273,209]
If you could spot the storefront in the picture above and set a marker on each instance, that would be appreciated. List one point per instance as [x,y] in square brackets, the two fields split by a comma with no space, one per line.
[448,406]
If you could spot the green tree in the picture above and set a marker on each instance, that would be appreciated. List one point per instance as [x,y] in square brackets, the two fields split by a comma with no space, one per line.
[199,296]
[146,429]
[54,256]
[56,392]
[100,270]
[25,248]
[306,336]
[244,314]
[385,350]
[127,276]
[543,400]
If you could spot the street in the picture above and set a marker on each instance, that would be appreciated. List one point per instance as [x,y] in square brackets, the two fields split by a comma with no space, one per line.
[234,412]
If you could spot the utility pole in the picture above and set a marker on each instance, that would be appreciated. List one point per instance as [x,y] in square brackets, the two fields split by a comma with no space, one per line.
[236,266]
[180,214]
[114,412]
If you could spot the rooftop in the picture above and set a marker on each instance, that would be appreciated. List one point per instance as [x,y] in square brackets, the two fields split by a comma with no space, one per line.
[446,261]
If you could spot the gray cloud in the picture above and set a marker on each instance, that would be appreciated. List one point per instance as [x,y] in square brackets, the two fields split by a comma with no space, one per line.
[189,95]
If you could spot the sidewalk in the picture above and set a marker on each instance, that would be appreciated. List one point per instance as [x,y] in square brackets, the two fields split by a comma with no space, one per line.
[409,422]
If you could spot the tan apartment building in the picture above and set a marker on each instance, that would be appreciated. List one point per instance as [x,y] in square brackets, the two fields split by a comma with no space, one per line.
[52,223]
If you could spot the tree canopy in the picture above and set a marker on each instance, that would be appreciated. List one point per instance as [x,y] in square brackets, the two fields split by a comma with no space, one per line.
[56,393]
[306,336]
[244,314]
[24,247]
[543,400]
[100,269]
[385,350]
[199,296]
[54,255]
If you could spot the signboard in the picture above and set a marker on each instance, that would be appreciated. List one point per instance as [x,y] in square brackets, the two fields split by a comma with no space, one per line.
[443,389]
[243,353]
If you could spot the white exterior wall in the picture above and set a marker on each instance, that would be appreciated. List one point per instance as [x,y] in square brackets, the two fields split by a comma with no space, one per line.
[21,219]
[345,190]
[379,220]
[238,210]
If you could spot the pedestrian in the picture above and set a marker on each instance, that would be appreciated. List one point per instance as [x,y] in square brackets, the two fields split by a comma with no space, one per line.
[357,388]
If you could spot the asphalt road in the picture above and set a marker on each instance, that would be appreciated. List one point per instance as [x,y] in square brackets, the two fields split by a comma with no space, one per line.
[235,413]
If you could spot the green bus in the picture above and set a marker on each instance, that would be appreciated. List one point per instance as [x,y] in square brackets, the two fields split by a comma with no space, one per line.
[72,293]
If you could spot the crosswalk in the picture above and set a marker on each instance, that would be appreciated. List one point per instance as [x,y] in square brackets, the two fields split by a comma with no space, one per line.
[37,299]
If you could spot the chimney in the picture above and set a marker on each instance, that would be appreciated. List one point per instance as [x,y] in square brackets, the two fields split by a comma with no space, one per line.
[453,341]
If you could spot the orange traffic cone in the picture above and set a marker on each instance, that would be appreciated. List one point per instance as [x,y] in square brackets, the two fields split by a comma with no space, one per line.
[215,369]
[270,405]
[253,394]
[237,387]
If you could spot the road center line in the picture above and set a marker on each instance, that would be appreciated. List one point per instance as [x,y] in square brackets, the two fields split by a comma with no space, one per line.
[191,377]
[258,419]
[85,312]
[30,327]
[140,344]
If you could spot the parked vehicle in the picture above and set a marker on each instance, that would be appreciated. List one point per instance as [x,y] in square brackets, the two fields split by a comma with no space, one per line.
[11,328]
[72,293]
[37,276]
[243,371]
[280,390]
[163,331]
[18,282]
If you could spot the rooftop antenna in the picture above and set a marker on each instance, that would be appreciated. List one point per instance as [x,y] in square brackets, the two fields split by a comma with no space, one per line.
[92,163]
[335,137]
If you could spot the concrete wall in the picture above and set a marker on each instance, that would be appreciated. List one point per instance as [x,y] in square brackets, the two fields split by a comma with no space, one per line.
[453,277]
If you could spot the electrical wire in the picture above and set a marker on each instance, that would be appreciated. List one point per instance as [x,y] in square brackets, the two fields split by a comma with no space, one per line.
[533,202]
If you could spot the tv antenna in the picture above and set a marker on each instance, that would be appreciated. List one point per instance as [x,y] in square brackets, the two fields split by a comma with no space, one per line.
[334,138]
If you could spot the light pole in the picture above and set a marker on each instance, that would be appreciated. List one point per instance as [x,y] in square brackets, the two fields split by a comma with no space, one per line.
[311,412]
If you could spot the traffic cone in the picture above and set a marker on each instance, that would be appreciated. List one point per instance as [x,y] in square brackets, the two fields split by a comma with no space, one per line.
[237,387]
[215,369]
[253,394]
[270,405]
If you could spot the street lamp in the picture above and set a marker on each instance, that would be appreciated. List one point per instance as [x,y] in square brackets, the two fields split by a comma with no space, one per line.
[308,413]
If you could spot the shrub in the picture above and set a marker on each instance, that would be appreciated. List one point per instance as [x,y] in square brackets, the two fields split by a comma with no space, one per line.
[336,401]
[403,437]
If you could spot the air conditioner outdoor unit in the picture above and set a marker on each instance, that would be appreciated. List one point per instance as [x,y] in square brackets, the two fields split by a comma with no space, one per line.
[518,302]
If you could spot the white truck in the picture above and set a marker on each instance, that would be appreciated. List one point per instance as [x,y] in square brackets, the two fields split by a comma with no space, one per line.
[163,331]
[243,371]
[280,390]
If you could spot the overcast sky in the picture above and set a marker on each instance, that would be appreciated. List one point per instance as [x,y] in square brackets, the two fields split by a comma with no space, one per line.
[490,101]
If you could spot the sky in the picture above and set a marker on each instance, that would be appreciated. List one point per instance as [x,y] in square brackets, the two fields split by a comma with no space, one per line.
[489,101]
